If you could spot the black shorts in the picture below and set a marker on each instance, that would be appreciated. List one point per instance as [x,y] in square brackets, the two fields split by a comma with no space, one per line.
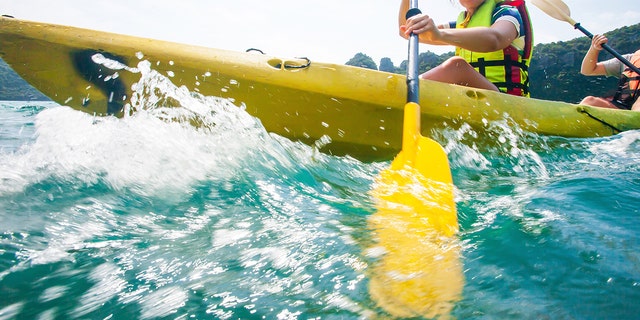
[620,104]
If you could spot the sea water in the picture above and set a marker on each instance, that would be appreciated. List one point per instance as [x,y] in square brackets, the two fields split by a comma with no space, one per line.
[149,217]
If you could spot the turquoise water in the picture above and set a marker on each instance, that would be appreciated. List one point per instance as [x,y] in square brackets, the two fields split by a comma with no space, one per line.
[142,218]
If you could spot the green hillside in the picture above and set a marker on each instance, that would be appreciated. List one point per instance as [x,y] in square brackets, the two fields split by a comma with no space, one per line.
[555,67]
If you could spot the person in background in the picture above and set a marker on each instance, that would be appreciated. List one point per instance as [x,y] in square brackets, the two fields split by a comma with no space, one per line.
[493,40]
[626,96]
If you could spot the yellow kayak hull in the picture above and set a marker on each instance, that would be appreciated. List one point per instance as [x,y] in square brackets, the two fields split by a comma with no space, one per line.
[360,110]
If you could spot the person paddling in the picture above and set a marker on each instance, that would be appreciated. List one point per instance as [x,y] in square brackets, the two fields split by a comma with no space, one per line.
[628,91]
[493,40]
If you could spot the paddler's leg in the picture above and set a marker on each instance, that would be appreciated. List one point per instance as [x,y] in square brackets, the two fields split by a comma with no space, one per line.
[457,71]
[598,102]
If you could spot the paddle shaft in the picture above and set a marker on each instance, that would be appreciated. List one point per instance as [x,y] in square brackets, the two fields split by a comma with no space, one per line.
[413,92]
[609,49]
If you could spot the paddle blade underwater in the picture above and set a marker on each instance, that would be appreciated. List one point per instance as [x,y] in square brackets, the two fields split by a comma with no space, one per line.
[418,270]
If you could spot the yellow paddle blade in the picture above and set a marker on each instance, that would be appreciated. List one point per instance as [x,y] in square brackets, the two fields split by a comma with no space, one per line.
[418,271]
[420,176]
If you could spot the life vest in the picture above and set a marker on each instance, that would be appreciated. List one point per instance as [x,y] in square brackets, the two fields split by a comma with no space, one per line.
[629,85]
[508,68]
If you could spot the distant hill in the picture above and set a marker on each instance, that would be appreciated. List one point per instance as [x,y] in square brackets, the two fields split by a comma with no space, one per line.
[555,67]
[554,71]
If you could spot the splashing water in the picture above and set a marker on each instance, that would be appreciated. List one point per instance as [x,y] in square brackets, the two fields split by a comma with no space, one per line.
[188,208]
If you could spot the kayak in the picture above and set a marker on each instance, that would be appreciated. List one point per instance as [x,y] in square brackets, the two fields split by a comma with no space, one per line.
[360,110]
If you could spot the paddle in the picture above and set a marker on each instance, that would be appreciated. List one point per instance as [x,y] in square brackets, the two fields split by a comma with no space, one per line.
[559,10]
[418,272]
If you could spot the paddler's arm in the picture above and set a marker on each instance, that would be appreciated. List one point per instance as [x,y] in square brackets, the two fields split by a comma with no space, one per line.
[403,27]
[477,39]
[404,7]
[590,65]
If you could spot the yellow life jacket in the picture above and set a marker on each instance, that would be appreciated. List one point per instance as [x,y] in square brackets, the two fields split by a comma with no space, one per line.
[629,85]
[508,68]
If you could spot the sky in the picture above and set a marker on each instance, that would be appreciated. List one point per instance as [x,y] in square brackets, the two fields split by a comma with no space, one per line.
[330,31]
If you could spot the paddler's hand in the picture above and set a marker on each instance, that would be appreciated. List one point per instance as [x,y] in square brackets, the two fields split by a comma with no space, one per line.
[422,25]
[597,41]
